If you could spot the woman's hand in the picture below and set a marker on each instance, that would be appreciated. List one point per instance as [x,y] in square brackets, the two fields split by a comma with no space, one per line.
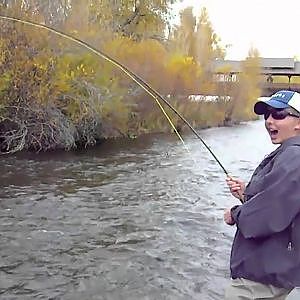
[228,217]
[237,187]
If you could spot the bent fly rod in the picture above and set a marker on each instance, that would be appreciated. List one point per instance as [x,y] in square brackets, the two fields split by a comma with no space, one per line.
[145,86]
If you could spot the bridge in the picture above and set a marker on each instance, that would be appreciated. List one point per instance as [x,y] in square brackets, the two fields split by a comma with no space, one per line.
[270,68]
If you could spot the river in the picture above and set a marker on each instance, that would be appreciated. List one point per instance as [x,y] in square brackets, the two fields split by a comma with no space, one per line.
[139,219]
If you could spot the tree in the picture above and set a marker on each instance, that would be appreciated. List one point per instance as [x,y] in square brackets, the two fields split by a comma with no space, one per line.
[183,35]
[132,18]
[249,81]
[207,45]
[54,11]
[196,38]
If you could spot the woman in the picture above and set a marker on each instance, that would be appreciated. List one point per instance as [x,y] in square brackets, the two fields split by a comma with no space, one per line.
[265,255]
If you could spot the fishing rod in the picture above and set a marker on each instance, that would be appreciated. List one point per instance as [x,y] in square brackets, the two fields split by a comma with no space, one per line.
[145,86]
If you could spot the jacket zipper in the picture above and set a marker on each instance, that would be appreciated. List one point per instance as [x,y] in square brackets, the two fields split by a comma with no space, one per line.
[290,243]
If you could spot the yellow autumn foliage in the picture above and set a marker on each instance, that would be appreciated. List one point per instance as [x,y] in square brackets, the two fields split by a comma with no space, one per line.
[40,68]
[184,74]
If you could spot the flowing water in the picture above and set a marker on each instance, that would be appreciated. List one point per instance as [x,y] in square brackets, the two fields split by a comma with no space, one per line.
[139,219]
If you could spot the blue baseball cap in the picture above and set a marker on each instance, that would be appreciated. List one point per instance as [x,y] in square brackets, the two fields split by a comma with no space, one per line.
[280,100]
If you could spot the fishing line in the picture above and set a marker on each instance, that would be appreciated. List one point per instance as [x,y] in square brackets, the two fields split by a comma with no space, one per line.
[145,86]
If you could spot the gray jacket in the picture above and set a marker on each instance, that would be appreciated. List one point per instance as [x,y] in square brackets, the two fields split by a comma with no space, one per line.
[266,246]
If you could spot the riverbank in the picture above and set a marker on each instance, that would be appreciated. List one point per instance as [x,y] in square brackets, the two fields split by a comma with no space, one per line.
[22,139]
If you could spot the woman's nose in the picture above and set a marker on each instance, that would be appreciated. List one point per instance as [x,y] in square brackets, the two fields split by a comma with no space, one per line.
[269,118]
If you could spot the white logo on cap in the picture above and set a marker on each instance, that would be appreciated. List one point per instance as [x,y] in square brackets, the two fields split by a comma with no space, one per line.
[280,95]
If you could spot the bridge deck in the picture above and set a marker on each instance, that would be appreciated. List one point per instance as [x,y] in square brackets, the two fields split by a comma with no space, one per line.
[270,67]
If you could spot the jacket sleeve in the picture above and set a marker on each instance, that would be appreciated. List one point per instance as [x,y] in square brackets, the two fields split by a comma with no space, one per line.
[273,208]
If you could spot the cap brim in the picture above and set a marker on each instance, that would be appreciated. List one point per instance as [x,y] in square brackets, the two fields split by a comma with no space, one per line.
[261,107]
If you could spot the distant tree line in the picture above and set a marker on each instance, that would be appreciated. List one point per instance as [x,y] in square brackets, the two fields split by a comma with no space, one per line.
[55,94]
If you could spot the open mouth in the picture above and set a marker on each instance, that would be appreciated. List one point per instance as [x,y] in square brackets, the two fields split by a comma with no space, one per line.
[273,133]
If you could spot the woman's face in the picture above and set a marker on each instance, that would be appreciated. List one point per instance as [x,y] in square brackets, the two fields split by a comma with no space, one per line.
[281,129]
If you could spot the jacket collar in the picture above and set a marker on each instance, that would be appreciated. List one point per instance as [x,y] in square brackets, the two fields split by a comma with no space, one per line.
[295,140]
[289,142]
